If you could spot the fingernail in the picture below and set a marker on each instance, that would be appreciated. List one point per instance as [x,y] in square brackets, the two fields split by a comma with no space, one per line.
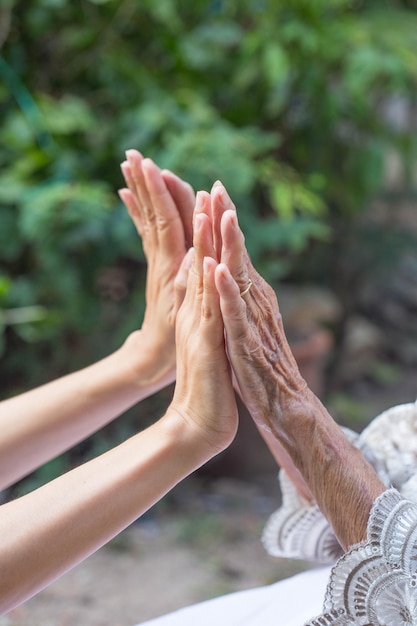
[233,219]
[206,265]
[198,199]
[217,184]
[225,272]
[130,154]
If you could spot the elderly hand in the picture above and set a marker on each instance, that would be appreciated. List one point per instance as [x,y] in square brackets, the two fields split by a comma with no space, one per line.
[204,395]
[161,206]
[265,369]
[343,484]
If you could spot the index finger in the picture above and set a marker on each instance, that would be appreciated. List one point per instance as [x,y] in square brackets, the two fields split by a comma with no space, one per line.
[165,214]
[184,197]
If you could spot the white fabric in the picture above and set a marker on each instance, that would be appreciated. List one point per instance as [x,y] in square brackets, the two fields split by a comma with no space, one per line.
[288,602]
[375,582]
[299,530]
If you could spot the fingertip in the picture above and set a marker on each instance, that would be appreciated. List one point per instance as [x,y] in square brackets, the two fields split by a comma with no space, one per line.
[131,153]
[198,221]
[223,270]
[172,181]
[225,282]
[202,194]
[126,170]
[222,276]
[202,199]
[167,174]
[128,200]
[221,194]
[230,216]
[209,265]
[189,258]
[148,163]
[123,193]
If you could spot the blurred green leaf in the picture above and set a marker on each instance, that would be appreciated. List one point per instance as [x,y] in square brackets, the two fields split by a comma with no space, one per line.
[67,115]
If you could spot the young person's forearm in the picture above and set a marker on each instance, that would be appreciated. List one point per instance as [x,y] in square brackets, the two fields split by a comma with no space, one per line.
[48,531]
[44,422]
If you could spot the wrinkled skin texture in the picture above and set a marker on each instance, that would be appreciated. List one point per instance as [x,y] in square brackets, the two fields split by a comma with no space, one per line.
[276,395]
[266,371]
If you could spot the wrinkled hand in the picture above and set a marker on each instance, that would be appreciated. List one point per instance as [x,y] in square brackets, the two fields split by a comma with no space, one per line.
[204,395]
[161,206]
[265,369]
[332,470]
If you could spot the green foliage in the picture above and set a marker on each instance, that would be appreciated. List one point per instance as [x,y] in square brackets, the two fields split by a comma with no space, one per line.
[284,101]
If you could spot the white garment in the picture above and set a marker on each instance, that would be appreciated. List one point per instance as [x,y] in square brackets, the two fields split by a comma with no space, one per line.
[299,530]
[288,602]
[374,583]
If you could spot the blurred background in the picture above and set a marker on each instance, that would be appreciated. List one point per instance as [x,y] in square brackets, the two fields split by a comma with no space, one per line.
[307,111]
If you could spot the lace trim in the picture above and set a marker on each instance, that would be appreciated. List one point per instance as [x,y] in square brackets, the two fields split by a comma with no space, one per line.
[375,583]
[299,530]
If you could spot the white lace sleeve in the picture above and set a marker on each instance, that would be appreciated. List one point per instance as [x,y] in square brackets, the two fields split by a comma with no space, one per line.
[299,530]
[375,582]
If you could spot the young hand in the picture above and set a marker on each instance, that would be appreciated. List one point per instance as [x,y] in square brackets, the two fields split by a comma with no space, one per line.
[204,395]
[160,205]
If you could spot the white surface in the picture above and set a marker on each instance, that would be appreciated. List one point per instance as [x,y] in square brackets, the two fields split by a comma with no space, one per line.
[289,602]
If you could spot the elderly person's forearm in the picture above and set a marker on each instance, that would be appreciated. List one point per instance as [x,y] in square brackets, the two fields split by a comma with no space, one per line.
[343,484]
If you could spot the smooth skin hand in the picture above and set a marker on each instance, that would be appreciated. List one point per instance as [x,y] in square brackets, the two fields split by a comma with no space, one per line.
[200,333]
[161,206]
[343,484]
[44,422]
[45,533]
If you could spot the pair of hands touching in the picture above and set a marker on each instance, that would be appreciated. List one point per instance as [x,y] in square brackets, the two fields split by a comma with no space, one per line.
[198,289]
[204,327]
[226,332]
[186,240]
[210,319]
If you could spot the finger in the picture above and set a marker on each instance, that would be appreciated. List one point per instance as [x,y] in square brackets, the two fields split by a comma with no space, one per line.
[129,201]
[211,313]
[127,174]
[181,279]
[220,202]
[202,205]
[234,253]
[184,197]
[203,236]
[137,183]
[233,308]
[165,213]
[194,289]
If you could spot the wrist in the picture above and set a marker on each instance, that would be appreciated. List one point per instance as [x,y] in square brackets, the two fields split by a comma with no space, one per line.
[193,443]
[148,366]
